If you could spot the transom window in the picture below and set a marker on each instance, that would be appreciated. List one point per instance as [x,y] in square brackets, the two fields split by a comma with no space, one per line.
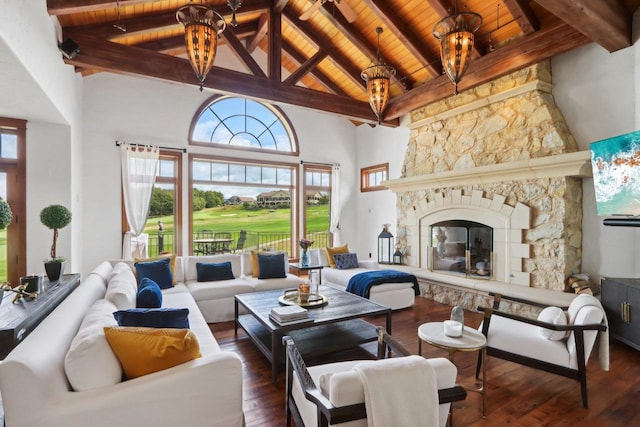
[243,123]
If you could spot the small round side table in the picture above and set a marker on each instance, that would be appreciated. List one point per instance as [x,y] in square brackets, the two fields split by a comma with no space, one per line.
[470,340]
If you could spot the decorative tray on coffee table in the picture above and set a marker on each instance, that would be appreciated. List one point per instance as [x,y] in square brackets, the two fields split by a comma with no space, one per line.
[290,297]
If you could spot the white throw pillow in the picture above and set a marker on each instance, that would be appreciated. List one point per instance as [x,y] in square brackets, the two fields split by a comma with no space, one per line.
[556,316]
[122,290]
[90,362]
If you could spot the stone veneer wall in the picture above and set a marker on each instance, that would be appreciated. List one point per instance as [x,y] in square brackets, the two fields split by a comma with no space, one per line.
[512,118]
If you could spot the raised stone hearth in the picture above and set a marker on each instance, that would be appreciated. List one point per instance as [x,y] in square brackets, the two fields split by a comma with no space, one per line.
[490,153]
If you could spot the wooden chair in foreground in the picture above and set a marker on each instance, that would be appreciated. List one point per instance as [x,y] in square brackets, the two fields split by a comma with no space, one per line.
[309,406]
[554,347]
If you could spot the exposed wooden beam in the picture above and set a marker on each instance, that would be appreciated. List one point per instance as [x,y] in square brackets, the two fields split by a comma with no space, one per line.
[263,28]
[241,52]
[171,44]
[362,44]
[65,7]
[274,60]
[523,14]
[140,25]
[544,44]
[403,32]
[604,22]
[340,61]
[279,5]
[298,57]
[306,67]
[152,23]
[117,58]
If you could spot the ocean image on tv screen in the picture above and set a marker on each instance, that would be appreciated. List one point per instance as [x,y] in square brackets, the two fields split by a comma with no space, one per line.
[616,174]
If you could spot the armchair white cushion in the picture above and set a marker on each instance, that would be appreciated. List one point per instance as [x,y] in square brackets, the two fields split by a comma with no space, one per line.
[518,339]
[344,388]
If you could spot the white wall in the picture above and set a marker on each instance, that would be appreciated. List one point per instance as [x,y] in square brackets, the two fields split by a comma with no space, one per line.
[38,87]
[149,111]
[595,90]
[375,146]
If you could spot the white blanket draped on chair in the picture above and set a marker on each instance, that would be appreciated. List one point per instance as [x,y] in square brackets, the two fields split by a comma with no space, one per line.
[400,391]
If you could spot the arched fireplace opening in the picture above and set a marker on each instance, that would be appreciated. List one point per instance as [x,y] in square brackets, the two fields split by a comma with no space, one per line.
[462,247]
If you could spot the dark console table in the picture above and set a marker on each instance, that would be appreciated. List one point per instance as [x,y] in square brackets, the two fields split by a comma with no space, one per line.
[19,319]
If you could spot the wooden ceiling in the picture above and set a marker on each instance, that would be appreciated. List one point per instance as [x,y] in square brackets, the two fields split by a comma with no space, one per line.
[317,63]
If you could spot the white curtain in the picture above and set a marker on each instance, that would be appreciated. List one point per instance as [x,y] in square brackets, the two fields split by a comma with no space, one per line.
[336,204]
[139,166]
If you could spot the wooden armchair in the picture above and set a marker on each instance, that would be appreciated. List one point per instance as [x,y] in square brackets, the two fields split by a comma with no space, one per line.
[521,340]
[310,406]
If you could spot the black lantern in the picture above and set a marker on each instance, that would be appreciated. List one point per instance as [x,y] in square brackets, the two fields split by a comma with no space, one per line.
[397,255]
[385,245]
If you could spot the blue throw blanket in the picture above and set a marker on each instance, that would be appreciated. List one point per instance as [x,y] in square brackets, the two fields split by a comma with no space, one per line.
[361,283]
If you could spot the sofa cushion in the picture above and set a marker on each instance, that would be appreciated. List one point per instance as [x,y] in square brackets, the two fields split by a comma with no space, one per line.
[122,289]
[346,261]
[90,350]
[142,351]
[555,316]
[336,250]
[159,271]
[154,317]
[172,264]
[191,272]
[213,272]
[149,294]
[217,290]
[259,285]
[271,266]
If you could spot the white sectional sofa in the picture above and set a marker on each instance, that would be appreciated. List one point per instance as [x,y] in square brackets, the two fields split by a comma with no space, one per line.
[215,299]
[393,295]
[36,389]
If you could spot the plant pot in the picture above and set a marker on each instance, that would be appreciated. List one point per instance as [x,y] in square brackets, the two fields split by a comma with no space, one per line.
[54,270]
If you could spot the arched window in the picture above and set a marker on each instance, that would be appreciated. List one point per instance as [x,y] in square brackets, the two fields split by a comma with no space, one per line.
[241,123]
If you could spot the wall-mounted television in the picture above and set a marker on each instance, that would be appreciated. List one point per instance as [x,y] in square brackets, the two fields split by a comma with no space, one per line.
[616,177]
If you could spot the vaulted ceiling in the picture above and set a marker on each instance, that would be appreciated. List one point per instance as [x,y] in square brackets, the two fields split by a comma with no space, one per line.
[316,63]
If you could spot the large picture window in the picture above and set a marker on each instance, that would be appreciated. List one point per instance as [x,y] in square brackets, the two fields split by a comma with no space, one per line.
[238,205]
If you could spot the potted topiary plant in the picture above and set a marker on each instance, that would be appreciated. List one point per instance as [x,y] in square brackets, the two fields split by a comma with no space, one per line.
[55,217]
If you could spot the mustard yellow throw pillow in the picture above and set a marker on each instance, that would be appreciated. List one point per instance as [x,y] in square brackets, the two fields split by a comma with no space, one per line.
[336,250]
[254,264]
[172,263]
[142,351]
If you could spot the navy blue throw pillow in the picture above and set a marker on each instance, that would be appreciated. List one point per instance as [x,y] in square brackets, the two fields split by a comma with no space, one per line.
[149,294]
[271,266]
[345,261]
[159,271]
[154,317]
[212,272]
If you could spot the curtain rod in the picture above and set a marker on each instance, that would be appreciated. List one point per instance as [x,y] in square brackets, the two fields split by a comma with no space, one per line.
[302,162]
[184,150]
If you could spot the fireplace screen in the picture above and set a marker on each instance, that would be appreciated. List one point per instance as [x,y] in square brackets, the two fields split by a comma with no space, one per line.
[462,248]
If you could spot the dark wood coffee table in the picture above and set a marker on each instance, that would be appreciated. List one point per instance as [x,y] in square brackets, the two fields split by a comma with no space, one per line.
[336,326]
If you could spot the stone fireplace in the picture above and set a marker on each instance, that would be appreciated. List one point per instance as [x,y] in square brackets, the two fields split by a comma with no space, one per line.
[499,155]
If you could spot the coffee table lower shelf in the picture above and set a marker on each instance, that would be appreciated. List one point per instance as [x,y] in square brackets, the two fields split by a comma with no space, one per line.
[311,341]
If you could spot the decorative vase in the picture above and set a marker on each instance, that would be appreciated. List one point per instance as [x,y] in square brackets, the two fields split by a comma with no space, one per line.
[54,270]
[304,260]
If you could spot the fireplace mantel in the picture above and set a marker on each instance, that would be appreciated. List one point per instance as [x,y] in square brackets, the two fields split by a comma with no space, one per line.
[576,164]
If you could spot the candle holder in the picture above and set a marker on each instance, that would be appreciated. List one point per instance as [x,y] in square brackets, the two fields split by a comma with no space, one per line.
[303,293]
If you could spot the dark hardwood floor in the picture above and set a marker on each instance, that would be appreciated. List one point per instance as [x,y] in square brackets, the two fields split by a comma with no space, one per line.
[516,395]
